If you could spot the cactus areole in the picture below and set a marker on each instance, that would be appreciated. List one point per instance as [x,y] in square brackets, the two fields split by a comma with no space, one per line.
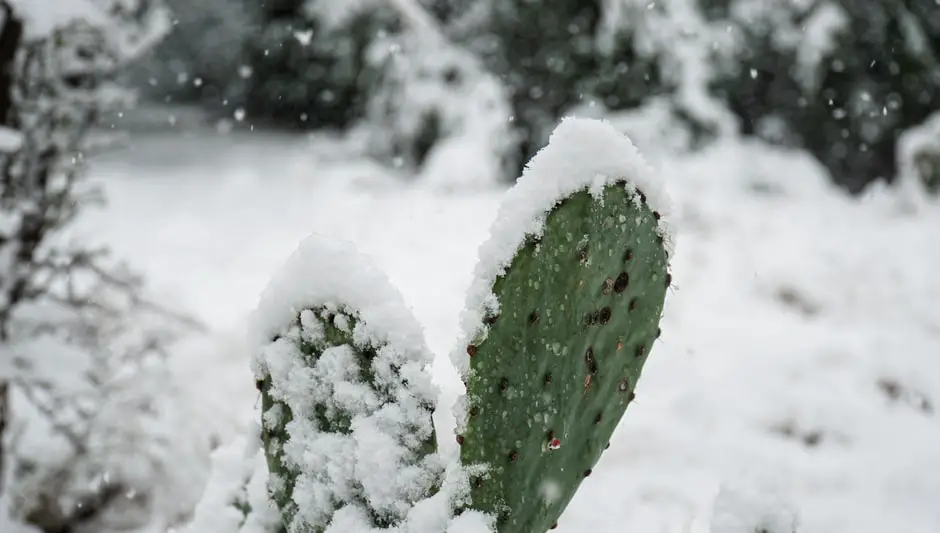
[594,270]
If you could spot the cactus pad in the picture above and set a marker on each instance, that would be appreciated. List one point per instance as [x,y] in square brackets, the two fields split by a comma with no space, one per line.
[554,368]
[346,394]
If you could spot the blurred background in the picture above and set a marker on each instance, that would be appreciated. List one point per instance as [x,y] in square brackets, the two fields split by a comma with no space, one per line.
[161,158]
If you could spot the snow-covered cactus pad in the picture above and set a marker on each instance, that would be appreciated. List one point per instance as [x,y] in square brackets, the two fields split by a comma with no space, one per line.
[346,395]
[564,312]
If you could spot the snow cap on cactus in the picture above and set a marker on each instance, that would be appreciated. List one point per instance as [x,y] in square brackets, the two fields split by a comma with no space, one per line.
[581,153]
[324,272]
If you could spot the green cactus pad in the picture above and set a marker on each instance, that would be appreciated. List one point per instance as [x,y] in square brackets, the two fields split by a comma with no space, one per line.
[314,334]
[579,312]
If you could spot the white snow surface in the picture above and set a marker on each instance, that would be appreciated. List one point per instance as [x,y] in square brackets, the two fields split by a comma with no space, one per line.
[581,154]
[799,344]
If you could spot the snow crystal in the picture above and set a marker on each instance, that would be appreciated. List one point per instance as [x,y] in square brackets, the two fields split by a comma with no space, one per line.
[581,154]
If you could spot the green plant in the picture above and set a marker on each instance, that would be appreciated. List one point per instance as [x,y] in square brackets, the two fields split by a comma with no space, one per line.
[563,312]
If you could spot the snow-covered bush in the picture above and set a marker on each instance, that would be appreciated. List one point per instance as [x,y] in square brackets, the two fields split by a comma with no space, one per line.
[919,156]
[309,64]
[618,54]
[840,79]
[90,423]
[437,110]
[347,396]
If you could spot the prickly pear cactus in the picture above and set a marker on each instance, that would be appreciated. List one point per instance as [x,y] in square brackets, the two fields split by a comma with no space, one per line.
[565,330]
[346,397]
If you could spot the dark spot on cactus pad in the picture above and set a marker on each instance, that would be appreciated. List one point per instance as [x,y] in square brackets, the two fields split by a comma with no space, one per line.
[641,195]
[668,279]
[490,320]
[622,281]
[587,472]
[608,446]
[598,418]
[624,385]
[591,318]
[633,304]
[554,525]
[659,332]
[550,435]
[513,456]
[471,350]
[259,384]
[589,362]
[478,482]
[548,378]
[656,215]
[503,385]
[474,411]
[640,350]
[631,396]
[604,315]
[627,255]
[659,240]
[533,317]
[460,440]
[583,255]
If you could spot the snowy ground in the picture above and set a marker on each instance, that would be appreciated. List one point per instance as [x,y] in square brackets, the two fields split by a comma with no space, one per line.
[800,359]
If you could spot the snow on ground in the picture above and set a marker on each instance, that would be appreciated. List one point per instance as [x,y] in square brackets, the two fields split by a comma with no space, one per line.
[800,359]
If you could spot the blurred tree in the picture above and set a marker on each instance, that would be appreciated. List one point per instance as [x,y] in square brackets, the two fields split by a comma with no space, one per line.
[203,58]
[82,371]
[310,63]
[617,54]
[841,79]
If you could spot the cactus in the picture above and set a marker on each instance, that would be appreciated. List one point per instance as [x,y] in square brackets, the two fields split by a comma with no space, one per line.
[562,315]
[346,399]
[579,312]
